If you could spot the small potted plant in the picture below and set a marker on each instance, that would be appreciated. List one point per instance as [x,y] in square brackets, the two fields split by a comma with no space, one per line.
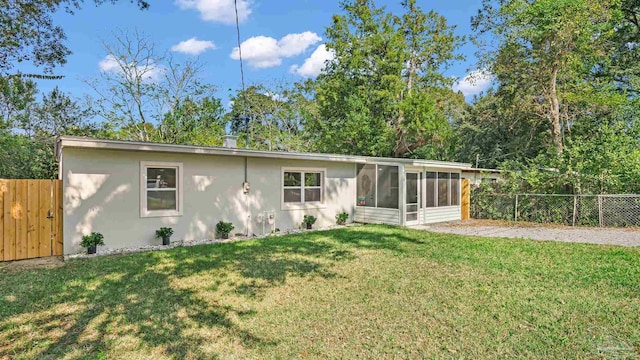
[341,218]
[309,220]
[165,234]
[223,229]
[92,241]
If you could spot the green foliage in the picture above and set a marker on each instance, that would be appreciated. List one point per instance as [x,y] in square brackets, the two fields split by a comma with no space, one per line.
[27,139]
[17,97]
[385,93]
[30,35]
[224,228]
[494,130]
[341,218]
[276,116]
[309,219]
[58,114]
[24,158]
[541,51]
[563,116]
[197,122]
[161,100]
[489,202]
[164,232]
[93,239]
[624,65]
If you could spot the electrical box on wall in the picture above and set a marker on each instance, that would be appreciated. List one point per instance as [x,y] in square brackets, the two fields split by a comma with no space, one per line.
[246,187]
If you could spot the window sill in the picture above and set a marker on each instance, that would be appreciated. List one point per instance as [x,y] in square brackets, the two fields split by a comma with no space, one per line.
[155,214]
[376,208]
[300,206]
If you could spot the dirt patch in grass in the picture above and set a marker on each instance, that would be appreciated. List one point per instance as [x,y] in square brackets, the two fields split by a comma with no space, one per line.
[368,292]
[31,264]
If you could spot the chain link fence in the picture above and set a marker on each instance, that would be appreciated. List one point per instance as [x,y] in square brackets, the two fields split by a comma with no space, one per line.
[573,210]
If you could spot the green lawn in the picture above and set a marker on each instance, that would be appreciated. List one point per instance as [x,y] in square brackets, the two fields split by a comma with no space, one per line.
[368,292]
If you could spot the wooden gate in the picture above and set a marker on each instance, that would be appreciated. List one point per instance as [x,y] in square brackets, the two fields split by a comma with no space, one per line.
[30,219]
[466,199]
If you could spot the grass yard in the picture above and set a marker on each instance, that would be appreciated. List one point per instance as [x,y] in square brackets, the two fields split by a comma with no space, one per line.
[368,292]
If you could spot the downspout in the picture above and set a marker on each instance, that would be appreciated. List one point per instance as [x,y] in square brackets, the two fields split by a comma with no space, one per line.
[246,187]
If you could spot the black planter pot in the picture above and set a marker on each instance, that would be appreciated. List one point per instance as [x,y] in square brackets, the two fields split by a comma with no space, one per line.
[225,236]
[309,226]
[166,240]
[91,249]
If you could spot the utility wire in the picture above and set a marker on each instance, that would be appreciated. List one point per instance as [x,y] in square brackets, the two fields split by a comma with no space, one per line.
[246,118]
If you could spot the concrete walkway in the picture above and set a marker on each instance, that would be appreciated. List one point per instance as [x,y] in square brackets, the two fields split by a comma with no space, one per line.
[607,236]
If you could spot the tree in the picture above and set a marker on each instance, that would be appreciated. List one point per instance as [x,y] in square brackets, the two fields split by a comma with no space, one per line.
[623,66]
[275,115]
[384,93]
[23,158]
[30,35]
[17,97]
[495,129]
[541,50]
[139,88]
[198,122]
[58,114]
[27,148]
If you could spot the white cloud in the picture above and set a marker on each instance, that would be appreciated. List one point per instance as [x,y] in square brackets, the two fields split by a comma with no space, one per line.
[315,63]
[221,11]
[109,63]
[274,96]
[149,71]
[474,83]
[264,52]
[193,46]
[296,44]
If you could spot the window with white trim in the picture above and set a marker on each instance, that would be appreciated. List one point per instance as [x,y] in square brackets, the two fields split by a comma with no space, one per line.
[161,189]
[302,186]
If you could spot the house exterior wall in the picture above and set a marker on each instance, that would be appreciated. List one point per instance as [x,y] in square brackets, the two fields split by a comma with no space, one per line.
[102,193]
[476,178]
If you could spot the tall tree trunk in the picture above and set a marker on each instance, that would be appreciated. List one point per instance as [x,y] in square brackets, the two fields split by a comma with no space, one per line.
[554,115]
[402,147]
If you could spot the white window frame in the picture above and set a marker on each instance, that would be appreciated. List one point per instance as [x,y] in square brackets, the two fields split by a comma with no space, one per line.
[303,204]
[435,188]
[436,193]
[459,198]
[144,212]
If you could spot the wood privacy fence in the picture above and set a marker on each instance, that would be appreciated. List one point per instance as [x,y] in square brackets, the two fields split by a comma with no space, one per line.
[466,199]
[30,219]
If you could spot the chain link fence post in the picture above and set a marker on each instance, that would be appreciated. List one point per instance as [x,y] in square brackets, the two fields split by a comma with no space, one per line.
[575,209]
[515,212]
[600,210]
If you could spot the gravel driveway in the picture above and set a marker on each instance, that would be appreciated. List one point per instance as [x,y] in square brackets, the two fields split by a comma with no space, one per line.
[608,236]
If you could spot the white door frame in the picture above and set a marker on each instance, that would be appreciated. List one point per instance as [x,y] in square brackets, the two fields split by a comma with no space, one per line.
[407,204]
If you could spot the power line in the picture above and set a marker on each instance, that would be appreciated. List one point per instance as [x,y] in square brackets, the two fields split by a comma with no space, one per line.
[246,118]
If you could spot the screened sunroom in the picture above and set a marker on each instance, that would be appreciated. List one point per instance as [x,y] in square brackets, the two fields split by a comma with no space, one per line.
[407,194]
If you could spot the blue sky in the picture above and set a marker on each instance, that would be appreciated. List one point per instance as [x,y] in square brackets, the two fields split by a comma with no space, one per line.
[282,40]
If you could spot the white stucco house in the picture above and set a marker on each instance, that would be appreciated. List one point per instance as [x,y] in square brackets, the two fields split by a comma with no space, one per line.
[127,190]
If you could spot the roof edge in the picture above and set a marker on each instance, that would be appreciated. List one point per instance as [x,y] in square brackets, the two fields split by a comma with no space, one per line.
[92,143]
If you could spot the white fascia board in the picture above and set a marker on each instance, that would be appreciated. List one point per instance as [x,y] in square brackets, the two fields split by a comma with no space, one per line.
[88,143]
[201,150]
[441,164]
